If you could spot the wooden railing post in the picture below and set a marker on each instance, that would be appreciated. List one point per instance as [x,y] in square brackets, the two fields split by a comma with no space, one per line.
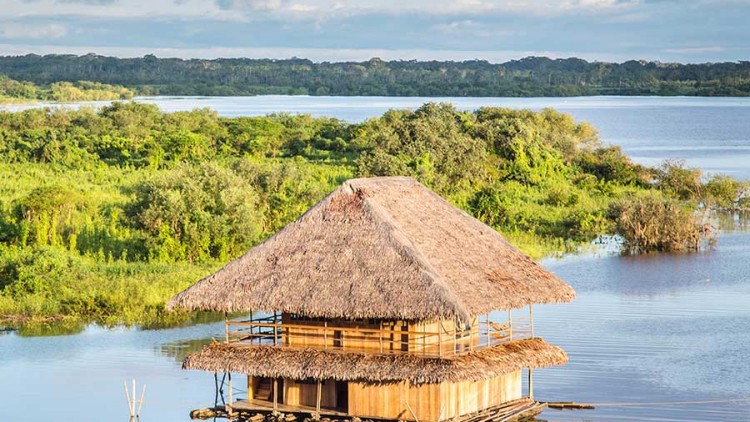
[510,324]
[489,327]
[531,320]
[275,328]
[226,327]
[380,336]
[440,338]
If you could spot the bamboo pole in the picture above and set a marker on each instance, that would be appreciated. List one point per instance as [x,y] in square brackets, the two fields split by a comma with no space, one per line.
[317,403]
[510,324]
[531,320]
[127,396]
[489,327]
[325,335]
[133,402]
[140,404]
[275,328]
[229,408]
[226,328]
[440,339]
[455,336]
[380,336]
[531,385]
[275,395]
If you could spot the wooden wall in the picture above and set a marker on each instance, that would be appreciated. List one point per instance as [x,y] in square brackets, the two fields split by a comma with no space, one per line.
[306,394]
[447,335]
[431,402]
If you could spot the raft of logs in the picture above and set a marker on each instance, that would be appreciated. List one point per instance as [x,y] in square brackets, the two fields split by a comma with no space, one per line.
[516,410]
[562,405]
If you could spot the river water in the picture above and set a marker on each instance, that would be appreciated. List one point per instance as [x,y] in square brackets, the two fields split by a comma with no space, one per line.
[645,331]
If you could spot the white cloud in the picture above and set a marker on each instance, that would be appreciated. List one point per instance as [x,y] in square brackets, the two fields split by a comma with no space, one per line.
[300,9]
[32,32]
[471,28]
[695,50]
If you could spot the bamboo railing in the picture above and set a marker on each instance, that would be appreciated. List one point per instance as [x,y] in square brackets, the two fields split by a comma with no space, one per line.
[388,337]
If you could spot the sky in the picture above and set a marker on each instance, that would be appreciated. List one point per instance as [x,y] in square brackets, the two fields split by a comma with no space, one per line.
[686,31]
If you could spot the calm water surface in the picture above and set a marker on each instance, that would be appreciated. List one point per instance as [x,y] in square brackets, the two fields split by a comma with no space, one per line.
[648,329]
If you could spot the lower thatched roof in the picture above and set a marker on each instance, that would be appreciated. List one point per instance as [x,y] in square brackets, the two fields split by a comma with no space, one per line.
[269,361]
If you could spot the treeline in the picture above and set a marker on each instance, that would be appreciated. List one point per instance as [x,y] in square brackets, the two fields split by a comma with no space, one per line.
[531,76]
[104,214]
[20,91]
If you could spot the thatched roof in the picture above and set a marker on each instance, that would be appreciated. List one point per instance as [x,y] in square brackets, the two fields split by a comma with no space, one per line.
[383,247]
[270,361]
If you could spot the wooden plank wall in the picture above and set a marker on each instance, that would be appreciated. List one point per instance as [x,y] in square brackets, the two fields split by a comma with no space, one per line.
[306,394]
[457,399]
[431,402]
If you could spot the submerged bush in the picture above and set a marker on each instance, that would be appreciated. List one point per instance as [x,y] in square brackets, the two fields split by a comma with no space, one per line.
[652,222]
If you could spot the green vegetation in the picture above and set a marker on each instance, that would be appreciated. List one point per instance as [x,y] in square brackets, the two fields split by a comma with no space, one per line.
[531,76]
[15,91]
[104,214]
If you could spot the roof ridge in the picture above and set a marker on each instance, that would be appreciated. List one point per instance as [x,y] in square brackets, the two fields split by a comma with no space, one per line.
[402,242]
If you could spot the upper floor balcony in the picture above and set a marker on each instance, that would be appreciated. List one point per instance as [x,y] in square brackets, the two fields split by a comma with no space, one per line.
[424,338]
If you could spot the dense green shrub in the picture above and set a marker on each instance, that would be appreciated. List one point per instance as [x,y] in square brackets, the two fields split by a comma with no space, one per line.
[106,213]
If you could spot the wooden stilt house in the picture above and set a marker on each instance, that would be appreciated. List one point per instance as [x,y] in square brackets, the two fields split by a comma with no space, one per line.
[382,301]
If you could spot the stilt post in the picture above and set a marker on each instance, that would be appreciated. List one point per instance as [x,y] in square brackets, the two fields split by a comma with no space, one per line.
[275,395]
[229,394]
[317,402]
[531,385]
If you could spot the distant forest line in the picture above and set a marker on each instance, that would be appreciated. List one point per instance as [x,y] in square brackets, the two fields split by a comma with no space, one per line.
[530,76]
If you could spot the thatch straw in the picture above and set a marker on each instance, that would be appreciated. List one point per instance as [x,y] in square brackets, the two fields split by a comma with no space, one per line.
[270,361]
[379,248]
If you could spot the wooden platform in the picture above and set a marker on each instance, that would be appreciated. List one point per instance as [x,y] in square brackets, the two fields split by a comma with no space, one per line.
[516,410]
[267,406]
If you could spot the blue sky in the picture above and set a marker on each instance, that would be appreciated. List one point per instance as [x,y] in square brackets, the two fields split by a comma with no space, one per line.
[333,30]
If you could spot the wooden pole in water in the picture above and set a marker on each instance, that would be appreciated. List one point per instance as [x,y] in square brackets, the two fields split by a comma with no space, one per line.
[531,385]
[127,396]
[140,404]
[230,393]
[132,412]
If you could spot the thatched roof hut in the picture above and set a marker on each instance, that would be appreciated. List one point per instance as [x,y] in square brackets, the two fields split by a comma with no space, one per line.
[384,248]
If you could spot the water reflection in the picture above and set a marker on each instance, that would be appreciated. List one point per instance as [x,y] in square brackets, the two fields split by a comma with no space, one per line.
[179,350]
